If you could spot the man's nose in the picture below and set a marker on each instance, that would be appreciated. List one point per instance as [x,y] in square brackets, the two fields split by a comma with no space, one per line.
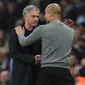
[36,18]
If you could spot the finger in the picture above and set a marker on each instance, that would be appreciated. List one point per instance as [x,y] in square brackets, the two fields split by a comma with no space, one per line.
[71,20]
[20,27]
[37,56]
[17,27]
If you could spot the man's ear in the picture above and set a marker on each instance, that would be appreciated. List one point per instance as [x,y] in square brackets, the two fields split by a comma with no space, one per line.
[25,17]
[51,14]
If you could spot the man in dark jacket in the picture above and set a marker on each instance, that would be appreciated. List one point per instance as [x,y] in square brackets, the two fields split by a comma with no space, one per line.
[25,59]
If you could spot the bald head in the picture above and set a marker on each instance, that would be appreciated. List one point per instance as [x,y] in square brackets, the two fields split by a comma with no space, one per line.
[52,13]
[54,8]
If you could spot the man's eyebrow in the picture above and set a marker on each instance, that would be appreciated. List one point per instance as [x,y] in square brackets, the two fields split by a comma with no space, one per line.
[35,15]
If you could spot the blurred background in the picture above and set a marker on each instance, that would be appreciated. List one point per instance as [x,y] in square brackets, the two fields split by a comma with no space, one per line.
[11,16]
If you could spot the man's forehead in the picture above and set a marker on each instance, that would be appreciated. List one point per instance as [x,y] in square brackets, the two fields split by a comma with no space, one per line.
[33,13]
[47,9]
[33,10]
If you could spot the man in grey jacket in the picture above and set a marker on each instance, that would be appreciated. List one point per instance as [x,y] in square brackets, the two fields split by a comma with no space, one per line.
[57,39]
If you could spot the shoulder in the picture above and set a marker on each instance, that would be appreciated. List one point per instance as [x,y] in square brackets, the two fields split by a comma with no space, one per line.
[13,32]
[72,30]
[40,26]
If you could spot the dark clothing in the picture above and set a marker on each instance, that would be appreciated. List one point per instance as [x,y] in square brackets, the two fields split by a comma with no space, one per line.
[24,68]
[78,54]
[54,76]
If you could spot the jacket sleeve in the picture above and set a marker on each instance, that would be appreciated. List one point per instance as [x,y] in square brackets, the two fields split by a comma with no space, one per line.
[33,37]
[16,55]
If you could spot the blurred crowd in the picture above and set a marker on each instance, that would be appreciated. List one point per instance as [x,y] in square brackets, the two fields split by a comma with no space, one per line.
[11,16]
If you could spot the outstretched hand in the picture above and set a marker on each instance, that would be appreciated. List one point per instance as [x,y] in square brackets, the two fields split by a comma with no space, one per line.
[19,30]
[68,22]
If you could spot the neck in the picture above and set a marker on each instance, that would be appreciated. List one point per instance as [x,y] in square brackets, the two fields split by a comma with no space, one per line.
[54,19]
[27,26]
